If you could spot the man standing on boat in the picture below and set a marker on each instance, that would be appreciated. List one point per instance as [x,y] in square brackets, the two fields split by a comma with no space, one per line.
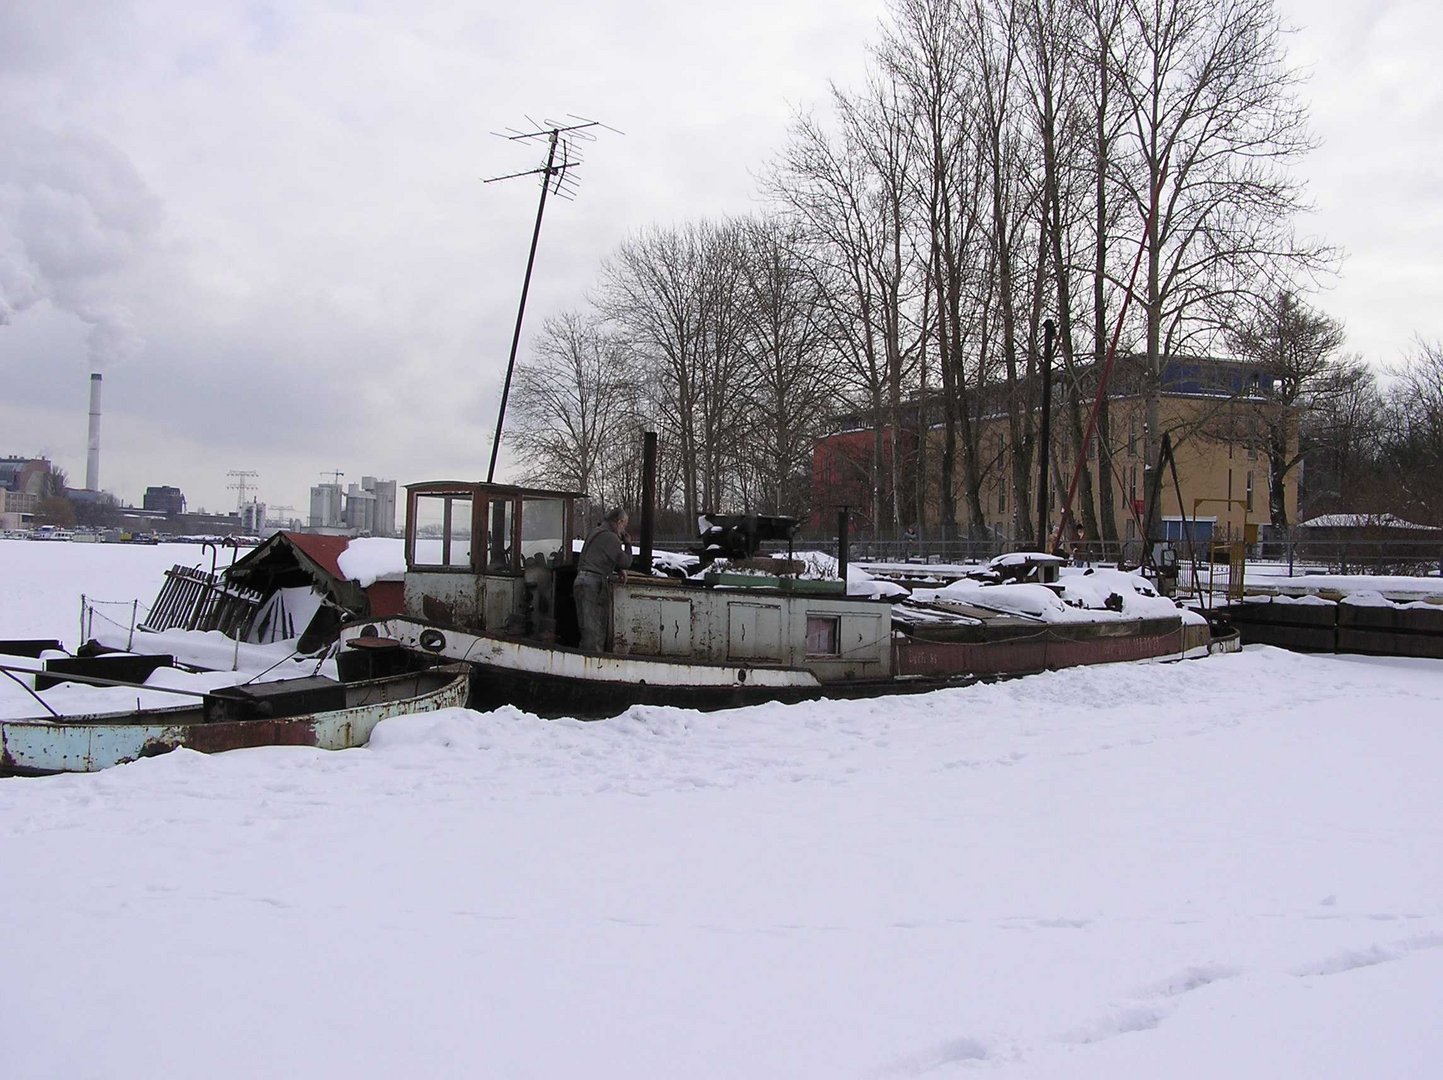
[606,551]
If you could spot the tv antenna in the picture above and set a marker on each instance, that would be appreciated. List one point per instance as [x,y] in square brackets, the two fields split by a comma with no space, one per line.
[561,137]
[242,484]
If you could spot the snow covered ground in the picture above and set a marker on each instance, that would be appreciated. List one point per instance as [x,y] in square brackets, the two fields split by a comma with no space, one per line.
[1224,867]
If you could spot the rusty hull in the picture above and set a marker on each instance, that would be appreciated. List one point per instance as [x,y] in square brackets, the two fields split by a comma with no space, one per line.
[1046,651]
[90,743]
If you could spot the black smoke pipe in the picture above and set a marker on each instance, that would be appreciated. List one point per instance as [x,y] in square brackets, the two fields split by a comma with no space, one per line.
[842,542]
[1049,331]
[648,501]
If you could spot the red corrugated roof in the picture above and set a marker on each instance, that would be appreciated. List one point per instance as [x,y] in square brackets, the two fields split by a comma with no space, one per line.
[324,551]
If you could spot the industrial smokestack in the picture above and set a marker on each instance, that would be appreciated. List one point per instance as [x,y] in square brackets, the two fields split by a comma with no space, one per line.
[92,457]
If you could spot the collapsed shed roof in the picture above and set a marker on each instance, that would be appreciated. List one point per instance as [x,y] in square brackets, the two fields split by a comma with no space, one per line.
[290,559]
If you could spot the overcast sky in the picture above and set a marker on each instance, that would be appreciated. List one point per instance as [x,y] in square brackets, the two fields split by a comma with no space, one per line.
[265,222]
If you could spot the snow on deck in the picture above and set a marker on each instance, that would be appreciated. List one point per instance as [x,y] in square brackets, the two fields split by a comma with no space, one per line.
[1393,587]
[1094,596]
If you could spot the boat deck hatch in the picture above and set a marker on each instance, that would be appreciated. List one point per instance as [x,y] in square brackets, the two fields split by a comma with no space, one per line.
[271,700]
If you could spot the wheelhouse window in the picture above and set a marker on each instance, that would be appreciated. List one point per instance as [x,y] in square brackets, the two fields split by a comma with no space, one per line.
[543,532]
[441,534]
[486,528]
[823,635]
[500,543]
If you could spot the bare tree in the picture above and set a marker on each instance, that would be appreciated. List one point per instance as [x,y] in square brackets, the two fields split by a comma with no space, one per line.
[995,28]
[1292,346]
[1413,437]
[927,51]
[1079,123]
[54,506]
[849,195]
[674,297]
[722,372]
[575,405]
[792,372]
[1344,430]
[1213,128]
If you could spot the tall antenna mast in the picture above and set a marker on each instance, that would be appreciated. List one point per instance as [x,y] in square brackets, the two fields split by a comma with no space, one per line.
[560,137]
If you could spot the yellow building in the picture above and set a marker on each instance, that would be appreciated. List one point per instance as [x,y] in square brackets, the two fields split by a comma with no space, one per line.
[1218,414]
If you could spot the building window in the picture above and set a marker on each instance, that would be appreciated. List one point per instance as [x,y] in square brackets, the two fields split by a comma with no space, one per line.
[1132,434]
[1249,502]
[823,635]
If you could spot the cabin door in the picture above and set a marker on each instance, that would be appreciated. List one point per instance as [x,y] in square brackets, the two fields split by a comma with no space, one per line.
[754,632]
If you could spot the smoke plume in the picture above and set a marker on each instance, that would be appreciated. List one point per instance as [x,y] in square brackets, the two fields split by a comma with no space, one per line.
[73,214]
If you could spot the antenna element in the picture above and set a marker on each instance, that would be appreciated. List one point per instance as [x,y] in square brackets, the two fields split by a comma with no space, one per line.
[559,138]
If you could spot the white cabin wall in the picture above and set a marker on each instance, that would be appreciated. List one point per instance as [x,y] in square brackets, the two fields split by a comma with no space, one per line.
[460,594]
[747,626]
[478,603]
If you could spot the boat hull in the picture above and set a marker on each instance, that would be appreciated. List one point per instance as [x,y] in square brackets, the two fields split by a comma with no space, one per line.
[552,696]
[87,744]
[1054,647]
[554,681]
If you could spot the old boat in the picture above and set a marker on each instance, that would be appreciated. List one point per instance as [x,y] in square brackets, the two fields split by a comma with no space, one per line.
[315,712]
[489,570]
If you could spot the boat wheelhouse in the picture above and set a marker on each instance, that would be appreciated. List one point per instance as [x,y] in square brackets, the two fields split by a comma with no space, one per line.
[489,574]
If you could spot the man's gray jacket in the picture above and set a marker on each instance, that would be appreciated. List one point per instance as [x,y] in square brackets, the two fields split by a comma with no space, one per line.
[603,553]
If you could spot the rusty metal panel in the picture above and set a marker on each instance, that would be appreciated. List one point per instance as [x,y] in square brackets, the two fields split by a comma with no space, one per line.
[1113,650]
[636,625]
[754,631]
[87,744]
[653,624]
[503,602]
[950,658]
[675,635]
[1043,653]
[444,597]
